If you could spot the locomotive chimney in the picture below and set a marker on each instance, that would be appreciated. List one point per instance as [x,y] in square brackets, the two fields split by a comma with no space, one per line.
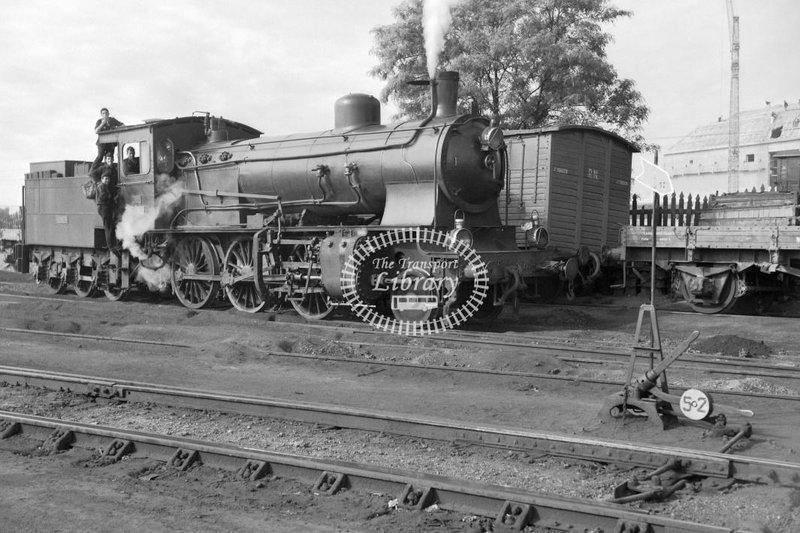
[446,94]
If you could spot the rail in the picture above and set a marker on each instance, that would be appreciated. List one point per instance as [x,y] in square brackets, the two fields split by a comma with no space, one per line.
[697,462]
[512,508]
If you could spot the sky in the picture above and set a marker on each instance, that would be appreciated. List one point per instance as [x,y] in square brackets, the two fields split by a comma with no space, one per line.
[279,66]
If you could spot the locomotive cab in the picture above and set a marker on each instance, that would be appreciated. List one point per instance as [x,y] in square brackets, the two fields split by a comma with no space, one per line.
[156,145]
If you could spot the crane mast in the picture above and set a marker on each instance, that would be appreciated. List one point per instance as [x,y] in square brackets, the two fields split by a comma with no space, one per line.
[733,120]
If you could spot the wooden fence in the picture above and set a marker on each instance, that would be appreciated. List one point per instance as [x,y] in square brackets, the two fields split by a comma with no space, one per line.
[671,210]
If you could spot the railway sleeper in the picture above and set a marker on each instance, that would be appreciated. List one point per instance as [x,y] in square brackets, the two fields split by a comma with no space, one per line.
[513,516]
[182,459]
[118,449]
[97,390]
[532,509]
[329,483]
[9,429]
[60,439]
[253,470]
[417,499]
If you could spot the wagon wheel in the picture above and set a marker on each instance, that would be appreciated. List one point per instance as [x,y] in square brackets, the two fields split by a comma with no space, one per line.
[56,277]
[195,272]
[114,293]
[86,279]
[727,297]
[239,265]
[314,304]
[588,272]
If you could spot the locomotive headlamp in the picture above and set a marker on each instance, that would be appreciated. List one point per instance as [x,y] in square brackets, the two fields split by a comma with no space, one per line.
[492,139]
[459,232]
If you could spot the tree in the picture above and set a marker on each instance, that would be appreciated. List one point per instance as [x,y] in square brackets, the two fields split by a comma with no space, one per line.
[524,63]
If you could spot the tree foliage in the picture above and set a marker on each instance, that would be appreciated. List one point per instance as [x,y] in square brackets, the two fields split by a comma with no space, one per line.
[524,63]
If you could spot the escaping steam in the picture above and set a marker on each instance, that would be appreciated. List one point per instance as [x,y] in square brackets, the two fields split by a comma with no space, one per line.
[139,219]
[435,23]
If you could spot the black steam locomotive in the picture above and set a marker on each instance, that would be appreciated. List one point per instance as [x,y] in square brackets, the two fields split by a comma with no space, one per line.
[215,209]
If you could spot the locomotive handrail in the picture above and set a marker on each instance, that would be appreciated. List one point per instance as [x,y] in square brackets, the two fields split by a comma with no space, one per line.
[130,183]
[233,207]
[333,133]
[222,194]
[332,153]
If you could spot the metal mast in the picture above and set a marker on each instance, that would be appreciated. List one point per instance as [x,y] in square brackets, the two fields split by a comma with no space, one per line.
[733,119]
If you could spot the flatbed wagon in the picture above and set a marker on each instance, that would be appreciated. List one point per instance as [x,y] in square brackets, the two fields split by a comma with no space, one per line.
[736,245]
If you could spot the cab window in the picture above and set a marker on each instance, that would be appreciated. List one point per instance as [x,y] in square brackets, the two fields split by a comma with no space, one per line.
[135,158]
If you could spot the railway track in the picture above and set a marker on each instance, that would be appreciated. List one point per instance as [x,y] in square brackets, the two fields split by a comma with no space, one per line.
[512,509]
[702,463]
[566,354]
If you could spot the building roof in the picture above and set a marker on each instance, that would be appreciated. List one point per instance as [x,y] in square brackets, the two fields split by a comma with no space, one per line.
[773,123]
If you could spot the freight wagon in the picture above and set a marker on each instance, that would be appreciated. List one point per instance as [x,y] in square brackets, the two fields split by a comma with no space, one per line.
[734,247]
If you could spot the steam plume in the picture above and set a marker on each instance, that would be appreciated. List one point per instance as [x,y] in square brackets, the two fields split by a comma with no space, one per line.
[436,19]
[139,219]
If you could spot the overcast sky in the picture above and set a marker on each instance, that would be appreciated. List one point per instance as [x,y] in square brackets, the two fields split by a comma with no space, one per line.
[279,66]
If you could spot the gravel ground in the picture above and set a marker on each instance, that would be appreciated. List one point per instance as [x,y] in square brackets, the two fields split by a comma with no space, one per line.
[748,507]
[231,357]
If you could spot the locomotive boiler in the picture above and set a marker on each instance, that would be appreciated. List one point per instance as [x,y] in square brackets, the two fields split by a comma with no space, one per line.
[410,173]
[263,219]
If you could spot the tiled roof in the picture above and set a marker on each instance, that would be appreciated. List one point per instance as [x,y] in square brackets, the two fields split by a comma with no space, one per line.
[755,127]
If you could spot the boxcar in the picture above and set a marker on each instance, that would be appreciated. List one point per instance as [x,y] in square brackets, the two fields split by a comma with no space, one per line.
[569,190]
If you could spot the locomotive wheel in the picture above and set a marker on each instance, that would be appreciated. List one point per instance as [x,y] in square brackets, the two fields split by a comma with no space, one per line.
[240,266]
[56,277]
[487,311]
[727,297]
[194,269]
[86,282]
[313,305]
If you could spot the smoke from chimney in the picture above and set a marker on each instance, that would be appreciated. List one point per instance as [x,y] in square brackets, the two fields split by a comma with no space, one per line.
[436,20]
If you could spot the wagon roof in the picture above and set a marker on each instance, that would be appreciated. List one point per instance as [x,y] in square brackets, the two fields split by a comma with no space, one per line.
[550,129]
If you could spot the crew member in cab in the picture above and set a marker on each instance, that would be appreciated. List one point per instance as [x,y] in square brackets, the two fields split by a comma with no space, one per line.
[131,163]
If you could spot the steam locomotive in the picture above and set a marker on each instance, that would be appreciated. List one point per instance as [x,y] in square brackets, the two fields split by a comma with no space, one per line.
[216,210]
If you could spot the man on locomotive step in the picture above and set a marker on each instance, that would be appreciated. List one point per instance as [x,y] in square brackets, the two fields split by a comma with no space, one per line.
[108,166]
[104,123]
[106,199]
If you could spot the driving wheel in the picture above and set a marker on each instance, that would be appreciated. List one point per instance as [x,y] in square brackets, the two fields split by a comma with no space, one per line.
[195,272]
[240,268]
[86,278]
[310,301]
